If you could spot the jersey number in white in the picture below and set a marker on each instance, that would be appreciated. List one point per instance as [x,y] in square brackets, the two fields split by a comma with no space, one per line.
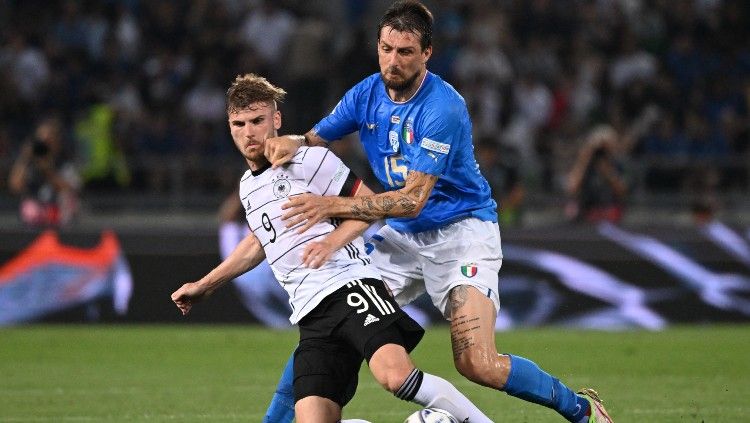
[355,300]
[395,168]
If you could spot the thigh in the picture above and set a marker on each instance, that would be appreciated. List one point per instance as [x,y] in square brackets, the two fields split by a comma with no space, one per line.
[326,368]
[398,265]
[473,337]
[467,252]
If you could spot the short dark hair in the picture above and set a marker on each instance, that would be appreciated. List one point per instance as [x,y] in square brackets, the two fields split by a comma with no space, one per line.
[250,88]
[409,16]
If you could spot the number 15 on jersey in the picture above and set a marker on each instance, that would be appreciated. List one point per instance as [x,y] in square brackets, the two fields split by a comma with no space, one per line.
[395,170]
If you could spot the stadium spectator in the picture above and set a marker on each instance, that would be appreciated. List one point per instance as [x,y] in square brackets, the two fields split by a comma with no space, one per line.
[45,179]
[596,62]
[596,182]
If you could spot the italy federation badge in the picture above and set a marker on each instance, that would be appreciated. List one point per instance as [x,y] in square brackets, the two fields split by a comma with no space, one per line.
[408,131]
[469,270]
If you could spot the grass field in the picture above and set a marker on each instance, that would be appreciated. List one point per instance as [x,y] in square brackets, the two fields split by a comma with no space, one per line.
[227,373]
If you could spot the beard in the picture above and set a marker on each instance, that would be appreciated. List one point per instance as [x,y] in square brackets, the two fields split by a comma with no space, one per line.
[400,86]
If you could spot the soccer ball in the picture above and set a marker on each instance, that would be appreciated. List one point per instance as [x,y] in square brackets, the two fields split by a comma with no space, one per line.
[431,415]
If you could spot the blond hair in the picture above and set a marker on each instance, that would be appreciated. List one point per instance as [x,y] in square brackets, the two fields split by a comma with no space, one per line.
[249,89]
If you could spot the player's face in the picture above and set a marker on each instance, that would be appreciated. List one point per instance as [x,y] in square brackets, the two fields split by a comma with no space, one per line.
[402,60]
[251,127]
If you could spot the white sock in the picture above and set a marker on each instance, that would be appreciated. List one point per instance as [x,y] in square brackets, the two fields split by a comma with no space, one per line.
[431,391]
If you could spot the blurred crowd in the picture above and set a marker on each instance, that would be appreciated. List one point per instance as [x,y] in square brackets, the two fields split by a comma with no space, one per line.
[137,88]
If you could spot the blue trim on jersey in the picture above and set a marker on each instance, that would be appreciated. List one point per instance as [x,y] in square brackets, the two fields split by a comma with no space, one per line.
[429,133]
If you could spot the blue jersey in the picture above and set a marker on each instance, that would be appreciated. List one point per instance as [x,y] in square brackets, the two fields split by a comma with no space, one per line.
[429,133]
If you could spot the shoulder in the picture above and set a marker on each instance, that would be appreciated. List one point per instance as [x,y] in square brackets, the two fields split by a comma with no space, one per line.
[314,155]
[366,85]
[442,95]
[247,176]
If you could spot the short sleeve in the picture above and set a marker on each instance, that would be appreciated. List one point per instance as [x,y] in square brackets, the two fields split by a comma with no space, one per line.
[343,119]
[437,135]
[325,174]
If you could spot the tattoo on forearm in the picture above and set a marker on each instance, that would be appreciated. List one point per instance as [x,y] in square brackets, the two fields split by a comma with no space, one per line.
[364,209]
[387,203]
[462,334]
[407,205]
[403,202]
[371,208]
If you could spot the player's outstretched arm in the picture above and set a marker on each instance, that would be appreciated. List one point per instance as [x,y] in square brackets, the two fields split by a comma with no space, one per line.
[280,150]
[248,254]
[405,202]
[317,253]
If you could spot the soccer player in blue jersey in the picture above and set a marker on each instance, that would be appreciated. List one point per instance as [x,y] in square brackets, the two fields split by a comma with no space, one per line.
[441,234]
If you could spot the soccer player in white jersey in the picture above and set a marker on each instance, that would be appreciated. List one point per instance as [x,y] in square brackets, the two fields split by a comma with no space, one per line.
[441,234]
[343,310]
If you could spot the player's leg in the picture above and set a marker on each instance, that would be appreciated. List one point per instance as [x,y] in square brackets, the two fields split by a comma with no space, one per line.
[475,357]
[326,372]
[383,333]
[315,409]
[281,409]
[466,290]
[394,370]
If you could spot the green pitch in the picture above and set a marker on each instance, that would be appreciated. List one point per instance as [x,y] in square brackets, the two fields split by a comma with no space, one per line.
[192,373]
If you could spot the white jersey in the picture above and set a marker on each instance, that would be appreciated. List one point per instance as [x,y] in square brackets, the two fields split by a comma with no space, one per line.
[313,170]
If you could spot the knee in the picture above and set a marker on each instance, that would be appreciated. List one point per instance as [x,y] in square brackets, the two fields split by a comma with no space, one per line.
[390,366]
[483,367]
[392,379]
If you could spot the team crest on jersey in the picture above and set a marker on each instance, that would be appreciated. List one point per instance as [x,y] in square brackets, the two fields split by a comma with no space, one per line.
[408,132]
[393,138]
[469,270]
[282,187]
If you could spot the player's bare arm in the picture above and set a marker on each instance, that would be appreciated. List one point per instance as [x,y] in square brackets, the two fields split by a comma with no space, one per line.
[405,202]
[248,254]
[280,150]
[317,253]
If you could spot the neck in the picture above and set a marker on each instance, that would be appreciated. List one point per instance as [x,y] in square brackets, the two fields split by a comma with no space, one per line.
[407,93]
[257,167]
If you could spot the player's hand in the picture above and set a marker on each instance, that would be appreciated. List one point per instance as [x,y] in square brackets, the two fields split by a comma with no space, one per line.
[280,150]
[187,295]
[316,253]
[305,209]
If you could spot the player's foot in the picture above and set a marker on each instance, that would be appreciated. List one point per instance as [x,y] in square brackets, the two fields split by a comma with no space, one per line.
[598,413]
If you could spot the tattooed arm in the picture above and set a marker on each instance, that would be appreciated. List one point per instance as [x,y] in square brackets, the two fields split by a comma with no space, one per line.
[405,202]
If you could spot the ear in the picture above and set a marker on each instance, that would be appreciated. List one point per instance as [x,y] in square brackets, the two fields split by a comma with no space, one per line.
[426,54]
[277,120]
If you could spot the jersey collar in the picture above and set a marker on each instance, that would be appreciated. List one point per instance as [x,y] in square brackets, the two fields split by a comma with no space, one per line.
[260,169]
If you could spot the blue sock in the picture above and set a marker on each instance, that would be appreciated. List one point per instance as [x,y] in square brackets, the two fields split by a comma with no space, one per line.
[281,409]
[528,382]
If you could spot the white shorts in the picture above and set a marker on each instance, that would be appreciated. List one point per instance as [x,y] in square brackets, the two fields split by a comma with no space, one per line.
[467,252]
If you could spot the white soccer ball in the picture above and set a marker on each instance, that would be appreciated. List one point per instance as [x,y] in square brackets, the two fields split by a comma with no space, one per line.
[431,415]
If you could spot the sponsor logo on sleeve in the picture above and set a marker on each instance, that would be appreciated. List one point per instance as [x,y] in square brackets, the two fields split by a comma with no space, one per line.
[432,145]
[339,172]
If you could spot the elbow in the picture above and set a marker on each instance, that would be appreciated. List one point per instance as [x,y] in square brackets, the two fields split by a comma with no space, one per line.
[414,209]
